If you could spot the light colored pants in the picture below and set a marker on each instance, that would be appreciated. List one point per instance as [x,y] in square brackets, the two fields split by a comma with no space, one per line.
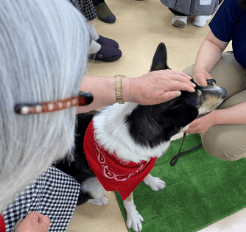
[227,142]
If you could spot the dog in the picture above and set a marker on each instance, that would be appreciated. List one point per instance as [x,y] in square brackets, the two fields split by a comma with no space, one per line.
[133,135]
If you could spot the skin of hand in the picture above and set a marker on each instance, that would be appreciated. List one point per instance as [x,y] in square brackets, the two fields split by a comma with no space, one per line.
[201,125]
[159,86]
[150,89]
[208,55]
[202,77]
[34,221]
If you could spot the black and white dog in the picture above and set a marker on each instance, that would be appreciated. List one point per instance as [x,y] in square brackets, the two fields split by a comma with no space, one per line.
[134,134]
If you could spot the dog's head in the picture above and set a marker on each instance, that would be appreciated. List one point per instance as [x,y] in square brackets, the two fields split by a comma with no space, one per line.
[187,107]
[169,118]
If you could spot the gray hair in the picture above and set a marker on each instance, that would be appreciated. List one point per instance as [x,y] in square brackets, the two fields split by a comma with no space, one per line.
[44,49]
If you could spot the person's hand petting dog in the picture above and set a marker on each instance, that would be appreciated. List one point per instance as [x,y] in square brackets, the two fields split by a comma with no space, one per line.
[150,89]
[159,86]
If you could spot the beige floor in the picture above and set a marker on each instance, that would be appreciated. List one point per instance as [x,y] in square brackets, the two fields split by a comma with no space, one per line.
[139,28]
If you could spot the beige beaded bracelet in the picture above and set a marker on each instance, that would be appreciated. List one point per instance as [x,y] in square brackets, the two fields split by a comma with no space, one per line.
[118,88]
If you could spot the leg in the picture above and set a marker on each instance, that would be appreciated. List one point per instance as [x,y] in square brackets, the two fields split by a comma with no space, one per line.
[176,12]
[103,11]
[96,190]
[227,142]
[179,19]
[154,182]
[134,219]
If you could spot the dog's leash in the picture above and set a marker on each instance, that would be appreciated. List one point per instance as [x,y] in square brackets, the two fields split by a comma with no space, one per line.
[176,157]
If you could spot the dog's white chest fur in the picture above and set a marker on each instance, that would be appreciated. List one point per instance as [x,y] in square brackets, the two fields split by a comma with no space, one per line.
[112,133]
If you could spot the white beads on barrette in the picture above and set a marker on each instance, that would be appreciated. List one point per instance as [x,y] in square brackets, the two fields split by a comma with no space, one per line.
[74,101]
[47,107]
[24,110]
[60,105]
[50,107]
[38,109]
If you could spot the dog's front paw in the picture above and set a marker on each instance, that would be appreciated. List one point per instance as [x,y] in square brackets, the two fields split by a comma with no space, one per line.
[154,182]
[99,201]
[134,220]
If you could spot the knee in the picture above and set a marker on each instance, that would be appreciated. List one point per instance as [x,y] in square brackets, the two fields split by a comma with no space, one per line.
[224,145]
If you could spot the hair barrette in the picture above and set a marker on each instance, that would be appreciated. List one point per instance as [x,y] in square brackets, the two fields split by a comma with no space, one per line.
[82,99]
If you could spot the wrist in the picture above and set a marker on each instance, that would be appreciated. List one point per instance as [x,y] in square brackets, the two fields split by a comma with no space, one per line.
[126,83]
[198,70]
[213,117]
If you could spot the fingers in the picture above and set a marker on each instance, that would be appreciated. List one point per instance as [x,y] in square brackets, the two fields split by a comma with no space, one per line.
[202,78]
[202,82]
[177,85]
[169,96]
[176,75]
[176,80]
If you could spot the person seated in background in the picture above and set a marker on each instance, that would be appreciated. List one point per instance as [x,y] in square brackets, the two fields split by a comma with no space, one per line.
[103,11]
[101,48]
[44,50]
[202,11]
[223,131]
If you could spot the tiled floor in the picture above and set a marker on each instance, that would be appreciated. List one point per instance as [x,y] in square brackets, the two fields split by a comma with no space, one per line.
[140,26]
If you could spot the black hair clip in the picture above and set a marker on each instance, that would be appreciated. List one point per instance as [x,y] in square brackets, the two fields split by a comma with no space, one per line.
[82,99]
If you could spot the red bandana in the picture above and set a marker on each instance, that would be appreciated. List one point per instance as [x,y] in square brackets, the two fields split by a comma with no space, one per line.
[2,224]
[113,173]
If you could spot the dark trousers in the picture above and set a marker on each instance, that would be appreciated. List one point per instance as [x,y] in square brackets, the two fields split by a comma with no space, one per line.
[176,12]
[97,2]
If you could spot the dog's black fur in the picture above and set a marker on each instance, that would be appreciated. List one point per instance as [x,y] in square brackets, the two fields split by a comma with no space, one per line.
[148,125]
[79,168]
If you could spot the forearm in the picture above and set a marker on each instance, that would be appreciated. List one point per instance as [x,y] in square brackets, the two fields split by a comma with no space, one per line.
[208,55]
[234,115]
[103,91]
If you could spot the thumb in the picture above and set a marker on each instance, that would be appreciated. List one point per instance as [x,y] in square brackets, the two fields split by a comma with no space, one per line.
[202,82]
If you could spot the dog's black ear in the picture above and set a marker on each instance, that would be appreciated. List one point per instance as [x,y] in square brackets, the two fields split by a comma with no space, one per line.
[160,58]
[182,114]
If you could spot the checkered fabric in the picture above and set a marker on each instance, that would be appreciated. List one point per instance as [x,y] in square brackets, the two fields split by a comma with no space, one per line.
[53,194]
[86,7]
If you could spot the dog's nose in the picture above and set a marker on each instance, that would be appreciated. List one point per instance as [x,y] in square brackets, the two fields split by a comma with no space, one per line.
[219,91]
[223,93]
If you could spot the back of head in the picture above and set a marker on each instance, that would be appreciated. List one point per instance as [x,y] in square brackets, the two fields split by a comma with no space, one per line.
[44,46]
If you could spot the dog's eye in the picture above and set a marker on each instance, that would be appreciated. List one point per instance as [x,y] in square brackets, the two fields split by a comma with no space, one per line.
[199,93]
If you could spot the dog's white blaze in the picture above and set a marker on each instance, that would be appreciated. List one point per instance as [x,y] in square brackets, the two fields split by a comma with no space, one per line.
[112,133]
[211,104]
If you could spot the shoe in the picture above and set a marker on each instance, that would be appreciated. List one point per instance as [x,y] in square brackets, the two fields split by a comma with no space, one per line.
[201,20]
[108,42]
[106,54]
[179,21]
[104,13]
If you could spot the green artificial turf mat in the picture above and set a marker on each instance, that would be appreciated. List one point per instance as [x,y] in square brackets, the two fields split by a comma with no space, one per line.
[200,190]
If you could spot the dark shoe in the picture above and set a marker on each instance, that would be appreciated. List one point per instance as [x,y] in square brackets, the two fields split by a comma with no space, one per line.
[106,54]
[108,42]
[104,13]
